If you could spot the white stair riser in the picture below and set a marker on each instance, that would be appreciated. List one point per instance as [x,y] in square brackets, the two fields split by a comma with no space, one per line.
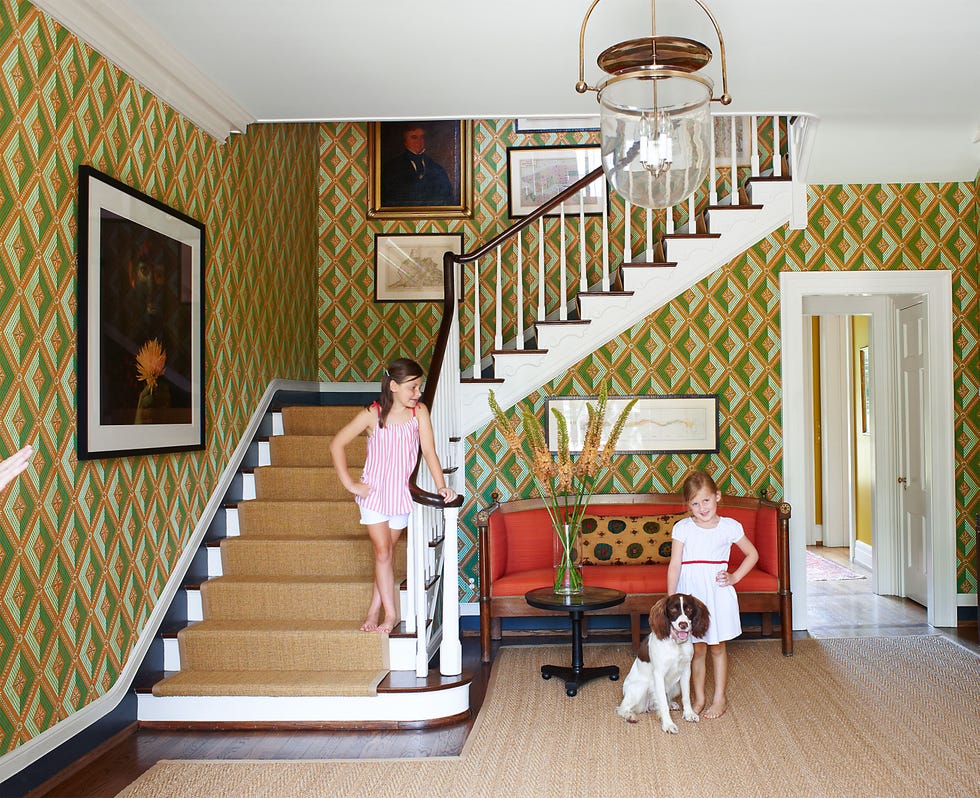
[214,562]
[171,654]
[248,486]
[311,709]
[232,528]
[195,610]
[264,453]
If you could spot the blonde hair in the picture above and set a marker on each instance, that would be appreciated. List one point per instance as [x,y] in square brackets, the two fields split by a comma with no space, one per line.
[695,481]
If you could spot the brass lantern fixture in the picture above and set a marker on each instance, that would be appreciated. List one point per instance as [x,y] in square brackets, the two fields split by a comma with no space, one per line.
[655,118]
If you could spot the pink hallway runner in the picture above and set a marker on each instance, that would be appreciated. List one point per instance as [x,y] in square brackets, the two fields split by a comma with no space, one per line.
[820,569]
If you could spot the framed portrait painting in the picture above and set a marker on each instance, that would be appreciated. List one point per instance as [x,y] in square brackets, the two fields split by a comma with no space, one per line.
[408,267]
[420,170]
[537,174]
[140,322]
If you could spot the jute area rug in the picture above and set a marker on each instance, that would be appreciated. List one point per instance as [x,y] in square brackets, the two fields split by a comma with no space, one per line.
[870,716]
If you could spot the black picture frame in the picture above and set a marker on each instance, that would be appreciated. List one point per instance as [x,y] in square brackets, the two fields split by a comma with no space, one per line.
[140,322]
[538,174]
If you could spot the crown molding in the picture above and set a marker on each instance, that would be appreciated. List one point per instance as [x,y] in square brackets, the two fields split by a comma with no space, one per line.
[124,38]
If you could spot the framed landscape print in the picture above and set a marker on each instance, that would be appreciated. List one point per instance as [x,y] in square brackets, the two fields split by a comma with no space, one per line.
[140,322]
[408,267]
[420,170]
[537,174]
[656,425]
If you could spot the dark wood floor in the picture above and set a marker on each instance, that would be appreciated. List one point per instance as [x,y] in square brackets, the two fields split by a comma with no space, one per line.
[836,609]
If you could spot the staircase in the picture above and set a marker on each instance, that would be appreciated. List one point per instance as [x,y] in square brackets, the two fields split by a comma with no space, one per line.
[274,632]
[595,304]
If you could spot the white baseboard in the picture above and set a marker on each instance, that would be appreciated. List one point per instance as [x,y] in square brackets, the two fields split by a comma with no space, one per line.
[862,554]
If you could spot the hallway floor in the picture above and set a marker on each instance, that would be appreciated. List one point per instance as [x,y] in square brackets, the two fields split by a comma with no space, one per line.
[849,608]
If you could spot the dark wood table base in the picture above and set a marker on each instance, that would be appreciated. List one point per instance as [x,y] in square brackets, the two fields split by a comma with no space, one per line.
[576,607]
[576,678]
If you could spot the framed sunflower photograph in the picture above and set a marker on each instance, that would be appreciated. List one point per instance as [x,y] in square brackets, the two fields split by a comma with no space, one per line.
[140,322]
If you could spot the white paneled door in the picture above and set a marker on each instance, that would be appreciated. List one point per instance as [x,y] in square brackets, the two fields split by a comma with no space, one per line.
[914,497]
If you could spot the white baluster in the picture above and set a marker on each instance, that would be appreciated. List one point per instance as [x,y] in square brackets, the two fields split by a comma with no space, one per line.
[777,156]
[755,146]
[692,224]
[627,233]
[583,282]
[562,273]
[477,343]
[669,227]
[649,252]
[733,198]
[541,312]
[520,288]
[498,325]
[712,177]
[605,246]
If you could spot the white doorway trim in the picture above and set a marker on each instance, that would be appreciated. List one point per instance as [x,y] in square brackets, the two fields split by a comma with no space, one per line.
[836,431]
[936,288]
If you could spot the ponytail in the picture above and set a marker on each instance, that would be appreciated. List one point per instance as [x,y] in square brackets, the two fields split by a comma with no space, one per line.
[398,371]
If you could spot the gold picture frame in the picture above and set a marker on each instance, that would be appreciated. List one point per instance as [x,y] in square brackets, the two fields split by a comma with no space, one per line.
[420,169]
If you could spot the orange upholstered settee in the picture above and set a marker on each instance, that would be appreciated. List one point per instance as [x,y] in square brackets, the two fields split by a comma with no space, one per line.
[516,542]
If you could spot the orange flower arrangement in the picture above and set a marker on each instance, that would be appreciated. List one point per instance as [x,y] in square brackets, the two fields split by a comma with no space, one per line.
[566,483]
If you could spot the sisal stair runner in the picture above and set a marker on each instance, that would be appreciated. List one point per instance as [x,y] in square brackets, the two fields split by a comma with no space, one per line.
[283,618]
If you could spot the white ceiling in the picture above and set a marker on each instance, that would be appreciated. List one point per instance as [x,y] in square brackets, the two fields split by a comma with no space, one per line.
[895,84]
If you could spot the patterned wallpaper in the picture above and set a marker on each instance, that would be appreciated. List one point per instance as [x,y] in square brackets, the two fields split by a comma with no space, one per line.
[722,336]
[86,548]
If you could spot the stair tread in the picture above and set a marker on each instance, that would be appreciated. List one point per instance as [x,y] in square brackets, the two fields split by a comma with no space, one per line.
[271,683]
[287,579]
[297,625]
[328,538]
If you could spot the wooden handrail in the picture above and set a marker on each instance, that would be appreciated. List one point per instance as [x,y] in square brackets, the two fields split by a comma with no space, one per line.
[449,261]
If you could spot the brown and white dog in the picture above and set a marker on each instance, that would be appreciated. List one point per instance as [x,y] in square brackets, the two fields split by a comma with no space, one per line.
[662,668]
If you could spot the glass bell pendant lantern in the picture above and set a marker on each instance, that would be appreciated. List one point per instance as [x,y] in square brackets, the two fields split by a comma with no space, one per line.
[655,118]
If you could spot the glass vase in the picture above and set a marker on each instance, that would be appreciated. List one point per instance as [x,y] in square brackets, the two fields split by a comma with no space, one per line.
[567,560]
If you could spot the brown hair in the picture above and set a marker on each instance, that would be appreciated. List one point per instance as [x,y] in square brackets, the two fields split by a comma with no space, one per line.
[695,481]
[398,371]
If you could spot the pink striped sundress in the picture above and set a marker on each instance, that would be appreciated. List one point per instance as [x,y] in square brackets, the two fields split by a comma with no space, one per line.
[392,451]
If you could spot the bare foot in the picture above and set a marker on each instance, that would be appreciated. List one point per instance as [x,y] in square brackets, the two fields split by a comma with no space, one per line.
[385,628]
[716,710]
[369,625]
[697,706]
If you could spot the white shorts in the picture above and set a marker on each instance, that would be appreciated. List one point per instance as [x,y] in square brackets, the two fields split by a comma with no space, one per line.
[374,517]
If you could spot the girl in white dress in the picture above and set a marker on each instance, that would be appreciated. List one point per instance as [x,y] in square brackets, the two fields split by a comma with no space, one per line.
[699,566]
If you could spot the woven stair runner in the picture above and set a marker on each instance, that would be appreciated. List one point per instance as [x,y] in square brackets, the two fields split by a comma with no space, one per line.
[284,617]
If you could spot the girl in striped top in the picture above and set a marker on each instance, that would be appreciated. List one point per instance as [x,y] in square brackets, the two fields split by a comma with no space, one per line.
[397,424]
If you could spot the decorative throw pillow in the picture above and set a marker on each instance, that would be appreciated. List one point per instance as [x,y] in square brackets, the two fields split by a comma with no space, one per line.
[627,540]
